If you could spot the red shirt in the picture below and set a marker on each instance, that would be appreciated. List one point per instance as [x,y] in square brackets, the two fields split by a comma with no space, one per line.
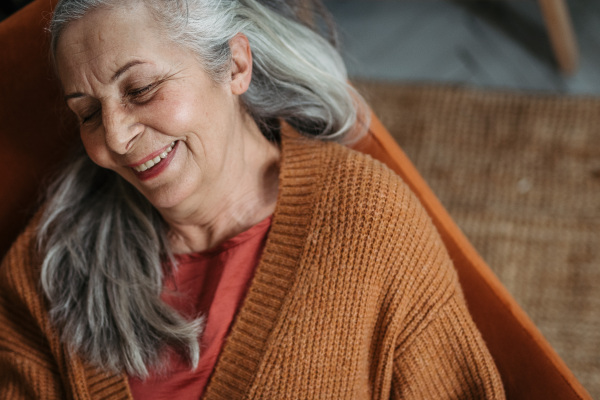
[211,283]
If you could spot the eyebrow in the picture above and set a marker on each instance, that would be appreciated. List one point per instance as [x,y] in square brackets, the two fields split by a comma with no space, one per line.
[124,68]
[116,76]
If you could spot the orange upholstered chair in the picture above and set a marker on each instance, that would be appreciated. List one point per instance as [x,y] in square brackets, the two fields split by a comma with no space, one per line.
[36,132]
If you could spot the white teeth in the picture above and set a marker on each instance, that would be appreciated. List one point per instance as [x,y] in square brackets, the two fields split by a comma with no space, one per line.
[151,163]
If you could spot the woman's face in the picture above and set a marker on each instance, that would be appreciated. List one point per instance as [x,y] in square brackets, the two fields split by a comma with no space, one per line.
[147,109]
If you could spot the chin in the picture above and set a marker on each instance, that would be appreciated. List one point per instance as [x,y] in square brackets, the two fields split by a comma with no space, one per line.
[167,198]
[163,201]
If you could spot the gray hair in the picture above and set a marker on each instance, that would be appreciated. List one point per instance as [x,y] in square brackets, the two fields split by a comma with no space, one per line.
[297,75]
[105,246]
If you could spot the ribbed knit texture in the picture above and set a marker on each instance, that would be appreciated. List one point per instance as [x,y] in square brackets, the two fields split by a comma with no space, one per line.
[354,298]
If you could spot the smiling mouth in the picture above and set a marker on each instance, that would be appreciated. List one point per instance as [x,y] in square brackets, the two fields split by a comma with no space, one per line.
[155,161]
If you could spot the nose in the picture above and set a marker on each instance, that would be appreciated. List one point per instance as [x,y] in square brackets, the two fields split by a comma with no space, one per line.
[121,128]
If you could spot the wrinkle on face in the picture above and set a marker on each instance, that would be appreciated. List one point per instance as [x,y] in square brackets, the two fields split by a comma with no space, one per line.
[217,170]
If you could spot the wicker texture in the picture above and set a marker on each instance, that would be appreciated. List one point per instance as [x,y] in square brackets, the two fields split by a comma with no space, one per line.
[521,176]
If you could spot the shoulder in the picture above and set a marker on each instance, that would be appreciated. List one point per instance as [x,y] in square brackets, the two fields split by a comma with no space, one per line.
[23,307]
[30,350]
[22,302]
[360,189]
[371,212]
[344,171]
[19,270]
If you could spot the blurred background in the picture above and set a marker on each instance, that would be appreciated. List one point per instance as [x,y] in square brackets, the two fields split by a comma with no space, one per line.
[504,124]
[499,109]
[488,44]
[7,7]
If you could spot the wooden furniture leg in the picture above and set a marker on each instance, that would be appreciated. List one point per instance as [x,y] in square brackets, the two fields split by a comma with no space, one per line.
[560,30]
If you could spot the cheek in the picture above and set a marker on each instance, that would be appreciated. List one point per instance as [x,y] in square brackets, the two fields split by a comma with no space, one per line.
[187,110]
[173,112]
[96,149]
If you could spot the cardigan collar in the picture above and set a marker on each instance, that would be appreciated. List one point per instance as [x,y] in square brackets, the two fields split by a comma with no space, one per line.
[260,313]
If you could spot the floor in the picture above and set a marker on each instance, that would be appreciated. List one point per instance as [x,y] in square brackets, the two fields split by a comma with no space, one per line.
[489,44]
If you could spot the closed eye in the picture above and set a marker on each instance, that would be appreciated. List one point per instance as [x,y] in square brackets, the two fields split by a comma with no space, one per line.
[143,94]
[141,91]
[90,116]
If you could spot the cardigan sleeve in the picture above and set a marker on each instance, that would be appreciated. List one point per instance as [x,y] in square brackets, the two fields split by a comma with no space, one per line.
[28,369]
[439,353]
[446,359]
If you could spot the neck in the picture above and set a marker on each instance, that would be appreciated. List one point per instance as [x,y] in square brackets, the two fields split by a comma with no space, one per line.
[248,196]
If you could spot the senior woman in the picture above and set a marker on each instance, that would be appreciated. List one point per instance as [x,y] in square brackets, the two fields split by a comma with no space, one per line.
[213,240]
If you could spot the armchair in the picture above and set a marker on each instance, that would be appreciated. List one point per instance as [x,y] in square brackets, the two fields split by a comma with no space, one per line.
[36,132]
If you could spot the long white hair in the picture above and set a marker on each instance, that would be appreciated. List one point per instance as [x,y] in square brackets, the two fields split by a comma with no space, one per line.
[104,246]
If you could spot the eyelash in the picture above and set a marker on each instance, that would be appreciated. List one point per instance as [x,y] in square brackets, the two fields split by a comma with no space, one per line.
[89,117]
[136,93]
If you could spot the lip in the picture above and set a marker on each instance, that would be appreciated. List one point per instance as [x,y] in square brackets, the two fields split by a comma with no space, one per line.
[158,168]
[149,157]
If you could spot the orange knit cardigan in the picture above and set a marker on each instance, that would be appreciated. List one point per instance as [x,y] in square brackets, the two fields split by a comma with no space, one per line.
[355,297]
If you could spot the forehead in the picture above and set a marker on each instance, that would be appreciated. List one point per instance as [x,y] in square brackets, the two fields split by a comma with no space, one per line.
[106,38]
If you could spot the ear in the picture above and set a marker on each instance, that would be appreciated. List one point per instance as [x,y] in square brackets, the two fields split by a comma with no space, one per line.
[241,64]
